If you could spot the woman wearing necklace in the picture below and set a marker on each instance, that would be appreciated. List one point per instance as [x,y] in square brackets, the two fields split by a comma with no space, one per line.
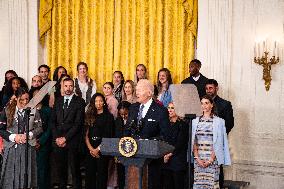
[13,122]
[85,87]
[210,146]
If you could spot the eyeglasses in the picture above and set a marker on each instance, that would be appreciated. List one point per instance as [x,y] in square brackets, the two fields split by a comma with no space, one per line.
[171,107]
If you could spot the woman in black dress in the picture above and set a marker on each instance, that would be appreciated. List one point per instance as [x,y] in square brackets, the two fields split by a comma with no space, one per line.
[100,124]
[175,163]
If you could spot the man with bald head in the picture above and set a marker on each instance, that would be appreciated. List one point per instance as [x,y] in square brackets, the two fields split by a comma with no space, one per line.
[152,121]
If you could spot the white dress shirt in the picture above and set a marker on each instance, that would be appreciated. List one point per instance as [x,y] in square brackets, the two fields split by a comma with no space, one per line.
[196,78]
[146,107]
[69,98]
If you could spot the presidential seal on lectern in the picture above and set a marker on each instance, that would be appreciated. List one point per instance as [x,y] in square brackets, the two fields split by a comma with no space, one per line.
[127,146]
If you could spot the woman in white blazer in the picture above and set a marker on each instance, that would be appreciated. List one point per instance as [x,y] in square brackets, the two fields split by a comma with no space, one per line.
[209,145]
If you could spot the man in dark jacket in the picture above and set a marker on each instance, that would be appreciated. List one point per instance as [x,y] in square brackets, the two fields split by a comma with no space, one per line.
[196,77]
[152,121]
[67,120]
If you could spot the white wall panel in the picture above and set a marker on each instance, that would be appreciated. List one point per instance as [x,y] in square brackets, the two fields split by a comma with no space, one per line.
[227,32]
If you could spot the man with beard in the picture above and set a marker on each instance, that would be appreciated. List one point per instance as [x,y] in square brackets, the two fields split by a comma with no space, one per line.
[36,81]
[196,77]
[67,120]
[223,110]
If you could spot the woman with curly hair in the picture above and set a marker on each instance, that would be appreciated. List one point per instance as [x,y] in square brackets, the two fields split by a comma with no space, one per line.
[8,75]
[60,70]
[11,88]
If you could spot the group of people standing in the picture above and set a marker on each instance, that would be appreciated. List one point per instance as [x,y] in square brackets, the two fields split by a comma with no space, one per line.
[67,127]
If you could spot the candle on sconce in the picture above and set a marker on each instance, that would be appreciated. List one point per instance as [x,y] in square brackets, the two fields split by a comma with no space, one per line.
[254,50]
[266,44]
[263,47]
[278,50]
[274,49]
[258,50]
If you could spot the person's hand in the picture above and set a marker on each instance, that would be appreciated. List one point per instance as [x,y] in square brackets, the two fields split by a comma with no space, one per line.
[61,142]
[20,138]
[37,146]
[167,157]
[57,141]
[207,163]
[17,138]
[95,152]
[200,162]
[12,98]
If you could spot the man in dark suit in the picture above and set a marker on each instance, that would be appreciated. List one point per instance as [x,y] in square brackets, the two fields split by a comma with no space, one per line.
[196,77]
[223,110]
[152,121]
[67,121]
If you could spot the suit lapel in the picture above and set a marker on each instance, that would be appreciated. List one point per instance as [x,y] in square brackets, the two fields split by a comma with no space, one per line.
[150,111]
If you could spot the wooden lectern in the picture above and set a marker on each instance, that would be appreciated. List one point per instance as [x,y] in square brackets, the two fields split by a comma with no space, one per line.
[145,151]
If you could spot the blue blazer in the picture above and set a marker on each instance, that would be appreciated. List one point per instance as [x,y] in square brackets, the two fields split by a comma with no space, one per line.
[220,141]
[166,98]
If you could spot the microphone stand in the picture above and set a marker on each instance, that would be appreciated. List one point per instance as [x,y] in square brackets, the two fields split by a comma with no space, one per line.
[189,118]
[27,116]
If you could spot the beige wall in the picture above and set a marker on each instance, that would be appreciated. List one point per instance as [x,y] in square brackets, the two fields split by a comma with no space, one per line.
[19,47]
[227,32]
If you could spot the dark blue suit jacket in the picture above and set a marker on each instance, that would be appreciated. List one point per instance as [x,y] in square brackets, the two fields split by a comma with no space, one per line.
[224,110]
[154,124]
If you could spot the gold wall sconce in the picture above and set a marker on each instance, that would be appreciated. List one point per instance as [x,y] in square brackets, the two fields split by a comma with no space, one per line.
[261,57]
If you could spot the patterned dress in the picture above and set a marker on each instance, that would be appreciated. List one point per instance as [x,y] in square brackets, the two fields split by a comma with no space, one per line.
[205,177]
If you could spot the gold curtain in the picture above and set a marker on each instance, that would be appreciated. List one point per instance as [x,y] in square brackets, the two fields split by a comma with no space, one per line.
[114,35]
[44,20]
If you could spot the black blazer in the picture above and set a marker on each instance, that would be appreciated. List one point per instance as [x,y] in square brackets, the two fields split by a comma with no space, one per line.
[70,123]
[154,124]
[177,136]
[224,110]
[200,84]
